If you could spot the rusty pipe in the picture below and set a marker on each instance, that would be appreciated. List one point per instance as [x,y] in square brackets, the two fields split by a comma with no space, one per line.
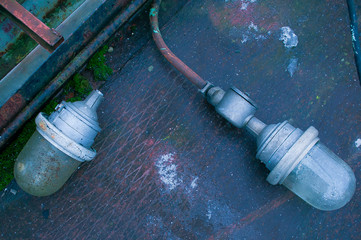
[167,53]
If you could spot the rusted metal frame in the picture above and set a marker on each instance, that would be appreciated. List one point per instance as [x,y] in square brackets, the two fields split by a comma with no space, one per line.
[47,37]
[69,70]
[59,59]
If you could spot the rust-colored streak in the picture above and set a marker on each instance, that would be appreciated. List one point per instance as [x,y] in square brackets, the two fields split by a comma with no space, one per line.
[49,38]
[251,217]
[9,110]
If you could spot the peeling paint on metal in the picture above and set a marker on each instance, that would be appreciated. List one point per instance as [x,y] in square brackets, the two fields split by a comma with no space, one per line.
[288,37]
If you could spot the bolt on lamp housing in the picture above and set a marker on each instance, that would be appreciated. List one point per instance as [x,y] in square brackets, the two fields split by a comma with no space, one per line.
[296,159]
[59,145]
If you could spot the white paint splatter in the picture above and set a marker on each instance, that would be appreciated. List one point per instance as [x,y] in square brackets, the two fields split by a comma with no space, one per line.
[260,37]
[167,171]
[244,38]
[353,35]
[209,212]
[358,143]
[253,26]
[243,35]
[288,37]
[194,183]
[244,5]
[292,66]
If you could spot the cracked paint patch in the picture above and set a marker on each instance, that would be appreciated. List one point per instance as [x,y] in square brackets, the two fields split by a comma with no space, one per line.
[288,37]
[167,171]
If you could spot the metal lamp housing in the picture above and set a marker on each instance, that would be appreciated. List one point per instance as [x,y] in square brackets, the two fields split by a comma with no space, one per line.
[59,145]
[300,162]
[296,159]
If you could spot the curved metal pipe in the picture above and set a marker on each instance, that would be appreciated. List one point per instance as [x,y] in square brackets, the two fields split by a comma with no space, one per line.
[167,53]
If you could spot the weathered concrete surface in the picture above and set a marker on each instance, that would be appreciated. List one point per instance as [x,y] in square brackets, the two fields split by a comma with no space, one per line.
[169,168]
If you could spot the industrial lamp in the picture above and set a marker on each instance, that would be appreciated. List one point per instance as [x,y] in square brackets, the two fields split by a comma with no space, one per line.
[295,158]
[60,144]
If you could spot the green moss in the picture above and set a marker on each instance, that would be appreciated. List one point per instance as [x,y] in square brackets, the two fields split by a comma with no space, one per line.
[133,27]
[49,108]
[79,85]
[97,64]
[10,153]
